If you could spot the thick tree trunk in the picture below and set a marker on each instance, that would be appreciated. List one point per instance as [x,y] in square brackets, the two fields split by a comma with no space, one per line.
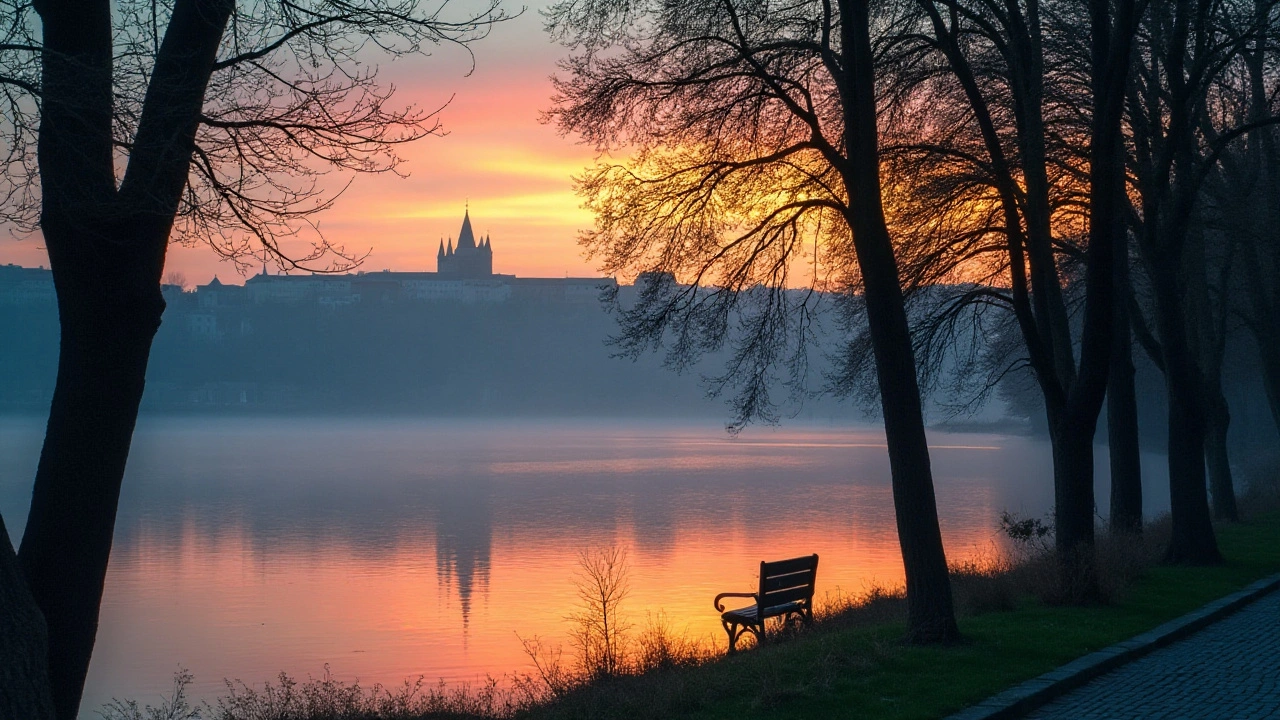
[24,674]
[930,608]
[930,612]
[106,248]
[109,311]
[1221,484]
[1122,418]
[1074,509]
[1193,540]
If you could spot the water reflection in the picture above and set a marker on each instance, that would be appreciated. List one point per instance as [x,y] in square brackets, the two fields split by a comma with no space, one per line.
[464,539]
[391,548]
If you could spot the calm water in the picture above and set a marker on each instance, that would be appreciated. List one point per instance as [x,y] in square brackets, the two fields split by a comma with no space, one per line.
[393,548]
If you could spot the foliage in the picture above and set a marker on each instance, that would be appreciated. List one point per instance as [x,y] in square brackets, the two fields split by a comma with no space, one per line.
[1032,533]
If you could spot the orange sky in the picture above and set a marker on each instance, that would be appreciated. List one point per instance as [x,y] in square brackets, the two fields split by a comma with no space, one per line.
[514,171]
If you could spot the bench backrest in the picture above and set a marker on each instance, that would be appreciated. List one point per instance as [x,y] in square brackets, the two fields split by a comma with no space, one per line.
[785,581]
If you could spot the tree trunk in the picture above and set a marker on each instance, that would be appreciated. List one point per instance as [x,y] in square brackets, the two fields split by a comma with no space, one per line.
[1193,540]
[930,607]
[1122,417]
[106,249]
[109,312]
[1074,509]
[24,675]
[1221,484]
[931,616]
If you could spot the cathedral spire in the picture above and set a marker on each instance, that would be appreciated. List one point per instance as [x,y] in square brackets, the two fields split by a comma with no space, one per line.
[466,238]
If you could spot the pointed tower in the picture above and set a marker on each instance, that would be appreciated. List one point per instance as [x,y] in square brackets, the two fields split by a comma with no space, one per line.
[469,258]
[466,238]
[486,260]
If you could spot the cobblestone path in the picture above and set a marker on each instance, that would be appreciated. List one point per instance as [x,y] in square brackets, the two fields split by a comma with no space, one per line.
[1229,670]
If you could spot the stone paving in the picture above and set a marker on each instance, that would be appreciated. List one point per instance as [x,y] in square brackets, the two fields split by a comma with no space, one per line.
[1229,671]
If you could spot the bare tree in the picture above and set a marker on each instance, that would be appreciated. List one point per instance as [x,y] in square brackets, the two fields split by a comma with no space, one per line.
[134,123]
[1180,131]
[600,632]
[1008,142]
[753,135]
[1244,188]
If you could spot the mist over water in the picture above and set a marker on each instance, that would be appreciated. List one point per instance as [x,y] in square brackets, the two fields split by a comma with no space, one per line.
[391,548]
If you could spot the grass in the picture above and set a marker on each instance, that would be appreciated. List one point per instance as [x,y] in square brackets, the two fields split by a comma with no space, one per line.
[866,672]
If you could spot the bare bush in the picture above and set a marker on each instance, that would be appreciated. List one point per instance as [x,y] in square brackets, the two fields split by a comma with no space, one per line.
[601,633]
[550,674]
[986,583]
[331,699]
[659,646]
[175,707]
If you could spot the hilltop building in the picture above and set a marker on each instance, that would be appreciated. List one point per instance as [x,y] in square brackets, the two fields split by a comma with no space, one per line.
[464,274]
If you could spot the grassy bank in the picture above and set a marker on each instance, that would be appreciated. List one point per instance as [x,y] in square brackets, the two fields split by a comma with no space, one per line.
[865,672]
[852,664]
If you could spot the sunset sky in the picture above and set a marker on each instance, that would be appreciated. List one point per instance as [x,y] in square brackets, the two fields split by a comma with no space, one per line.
[514,171]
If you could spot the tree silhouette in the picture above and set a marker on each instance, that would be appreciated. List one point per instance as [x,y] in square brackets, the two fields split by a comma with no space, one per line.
[752,129]
[1007,147]
[136,123]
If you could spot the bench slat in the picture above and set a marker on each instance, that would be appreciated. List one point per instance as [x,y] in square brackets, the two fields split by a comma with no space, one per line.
[790,580]
[784,567]
[781,597]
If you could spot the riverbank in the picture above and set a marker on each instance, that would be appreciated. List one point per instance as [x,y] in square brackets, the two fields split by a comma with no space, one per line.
[866,672]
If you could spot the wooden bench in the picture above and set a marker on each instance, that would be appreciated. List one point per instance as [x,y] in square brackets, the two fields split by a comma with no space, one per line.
[786,590]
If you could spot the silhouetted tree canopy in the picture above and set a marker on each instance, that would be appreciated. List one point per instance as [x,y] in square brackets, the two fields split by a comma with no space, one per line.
[129,125]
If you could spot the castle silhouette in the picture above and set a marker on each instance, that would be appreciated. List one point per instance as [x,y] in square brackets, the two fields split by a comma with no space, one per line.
[469,259]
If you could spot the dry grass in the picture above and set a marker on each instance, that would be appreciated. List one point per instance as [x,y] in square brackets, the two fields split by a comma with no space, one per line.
[328,699]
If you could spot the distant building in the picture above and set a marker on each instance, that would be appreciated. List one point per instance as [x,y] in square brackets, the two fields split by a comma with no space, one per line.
[266,289]
[560,290]
[469,259]
[464,274]
[219,295]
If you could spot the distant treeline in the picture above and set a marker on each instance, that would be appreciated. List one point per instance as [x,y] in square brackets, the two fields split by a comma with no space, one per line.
[435,358]
[510,358]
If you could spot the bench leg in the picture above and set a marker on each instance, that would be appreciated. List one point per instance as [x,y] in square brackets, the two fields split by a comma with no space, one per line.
[737,630]
[734,634]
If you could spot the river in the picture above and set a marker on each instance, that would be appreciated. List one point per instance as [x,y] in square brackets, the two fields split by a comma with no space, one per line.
[389,548]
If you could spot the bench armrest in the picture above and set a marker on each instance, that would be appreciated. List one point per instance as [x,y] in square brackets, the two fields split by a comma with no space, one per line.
[721,596]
